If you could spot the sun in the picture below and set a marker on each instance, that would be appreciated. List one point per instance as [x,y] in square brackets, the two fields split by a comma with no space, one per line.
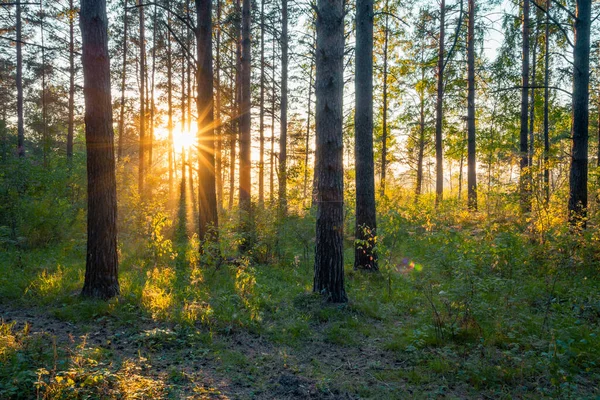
[183,139]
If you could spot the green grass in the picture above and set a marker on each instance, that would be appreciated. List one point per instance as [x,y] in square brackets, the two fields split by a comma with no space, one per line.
[460,308]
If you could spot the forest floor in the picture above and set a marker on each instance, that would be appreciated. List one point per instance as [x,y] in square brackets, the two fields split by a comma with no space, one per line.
[459,310]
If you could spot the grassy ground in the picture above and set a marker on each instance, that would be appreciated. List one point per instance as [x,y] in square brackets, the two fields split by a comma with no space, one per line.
[464,307]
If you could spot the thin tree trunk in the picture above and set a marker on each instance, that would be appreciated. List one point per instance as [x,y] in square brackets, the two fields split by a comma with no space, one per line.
[152,105]
[547,105]
[142,143]
[532,98]
[525,174]
[101,275]
[366,220]
[439,107]
[384,135]
[235,123]
[471,151]
[261,157]
[218,131]
[20,122]
[421,142]
[329,252]
[71,126]
[207,194]
[123,79]
[170,146]
[237,103]
[272,155]
[578,193]
[245,138]
[188,59]
[46,139]
[283,111]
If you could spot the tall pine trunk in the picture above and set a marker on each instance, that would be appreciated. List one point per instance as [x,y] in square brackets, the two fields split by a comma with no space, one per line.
[19,83]
[272,155]
[329,252]
[71,126]
[218,131]
[101,275]
[245,122]
[142,142]
[283,111]
[471,151]
[152,80]
[384,134]
[366,224]
[261,128]
[170,149]
[578,191]
[207,194]
[439,109]
[123,79]
[547,105]
[525,173]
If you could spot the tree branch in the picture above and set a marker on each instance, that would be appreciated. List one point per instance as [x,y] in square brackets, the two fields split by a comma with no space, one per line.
[533,87]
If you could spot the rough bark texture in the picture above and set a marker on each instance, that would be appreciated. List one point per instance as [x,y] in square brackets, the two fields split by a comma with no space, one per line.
[261,157]
[578,193]
[142,142]
[170,111]
[245,138]
[421,140]
[218,131]
[272,155]
[384,134]
[524,177]
[329,252]
[71,122]
[101,276]
[366,225]
[547,105]
[207,193]
[283,111]
[19,83]
[439,153]
[471,152]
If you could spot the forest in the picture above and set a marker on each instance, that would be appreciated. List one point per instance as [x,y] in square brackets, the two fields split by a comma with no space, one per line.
[307,199]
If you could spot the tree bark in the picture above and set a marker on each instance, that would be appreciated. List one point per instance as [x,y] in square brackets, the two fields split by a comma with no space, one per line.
[329,252]
[218,130]
[71,126]
[123,79]
[421,140]
[207,194]
[366,220]
[142,142]
[471,151]
[170,109]
[439,107]
[272,155]
[261,157]
[245,122]
[578,192]
[384,135]
[283,111]
[152,105]
[101,275]
[525,173]
[547,105]
[20,121]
